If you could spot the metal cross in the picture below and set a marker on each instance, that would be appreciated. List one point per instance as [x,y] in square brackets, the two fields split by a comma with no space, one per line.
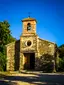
[29,14]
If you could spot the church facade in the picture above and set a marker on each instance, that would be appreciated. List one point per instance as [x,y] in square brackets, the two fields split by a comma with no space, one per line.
[30,51]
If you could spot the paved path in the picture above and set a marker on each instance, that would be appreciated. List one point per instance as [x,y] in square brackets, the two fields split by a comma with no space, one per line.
[34,78]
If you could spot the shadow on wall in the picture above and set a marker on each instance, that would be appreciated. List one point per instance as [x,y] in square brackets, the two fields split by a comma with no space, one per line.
[17,55]
[45,63]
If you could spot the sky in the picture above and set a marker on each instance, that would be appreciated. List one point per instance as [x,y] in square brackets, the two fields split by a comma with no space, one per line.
[48,13]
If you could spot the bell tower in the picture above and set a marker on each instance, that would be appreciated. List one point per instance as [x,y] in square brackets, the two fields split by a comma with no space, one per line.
[28,43]
[29,26]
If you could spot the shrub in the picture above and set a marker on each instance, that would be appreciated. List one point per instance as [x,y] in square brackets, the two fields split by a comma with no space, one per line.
[2,62]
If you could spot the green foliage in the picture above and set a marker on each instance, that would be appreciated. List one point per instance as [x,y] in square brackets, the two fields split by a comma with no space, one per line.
[5,34]
[61,51]
[45,63]
[5,38]
[2,61]
[61,58]
[61,64]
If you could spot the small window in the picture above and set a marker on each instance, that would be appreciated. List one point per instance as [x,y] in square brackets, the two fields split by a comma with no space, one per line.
[29,43]
[28,26]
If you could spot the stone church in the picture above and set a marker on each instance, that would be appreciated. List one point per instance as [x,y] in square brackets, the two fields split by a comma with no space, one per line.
[30,51]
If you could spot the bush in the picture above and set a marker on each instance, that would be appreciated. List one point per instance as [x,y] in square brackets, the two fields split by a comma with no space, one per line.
[2,61]
[61,64]
[45,63]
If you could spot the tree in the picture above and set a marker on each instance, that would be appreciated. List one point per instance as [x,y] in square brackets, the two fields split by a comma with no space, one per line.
[61,57]
[5,38]
[61,51]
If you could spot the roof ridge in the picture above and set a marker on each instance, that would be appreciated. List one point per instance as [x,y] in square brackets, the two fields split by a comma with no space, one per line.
[29,19]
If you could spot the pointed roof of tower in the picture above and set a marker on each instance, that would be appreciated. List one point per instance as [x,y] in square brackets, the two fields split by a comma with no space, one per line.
[29,19]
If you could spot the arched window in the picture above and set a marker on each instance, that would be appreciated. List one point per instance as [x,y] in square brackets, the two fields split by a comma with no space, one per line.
[28,26]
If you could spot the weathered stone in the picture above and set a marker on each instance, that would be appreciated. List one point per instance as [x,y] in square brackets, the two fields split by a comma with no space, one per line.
[20,54]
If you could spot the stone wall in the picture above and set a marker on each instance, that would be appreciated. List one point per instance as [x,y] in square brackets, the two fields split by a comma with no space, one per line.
[17,55]
[13,50]
[24,48]
[10,56]
[23,43]
[43,50]
[46,55]
[46,47]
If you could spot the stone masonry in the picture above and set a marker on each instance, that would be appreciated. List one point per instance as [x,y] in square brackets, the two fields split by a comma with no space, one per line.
[30,50]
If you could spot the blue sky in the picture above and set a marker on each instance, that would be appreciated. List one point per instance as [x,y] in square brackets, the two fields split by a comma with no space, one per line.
[48,13]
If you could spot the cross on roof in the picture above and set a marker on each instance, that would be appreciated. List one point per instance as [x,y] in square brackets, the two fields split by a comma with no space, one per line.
[29,14]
